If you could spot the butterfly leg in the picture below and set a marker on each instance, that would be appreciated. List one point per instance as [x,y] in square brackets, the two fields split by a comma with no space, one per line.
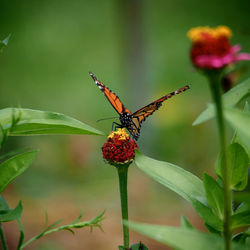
[116,125]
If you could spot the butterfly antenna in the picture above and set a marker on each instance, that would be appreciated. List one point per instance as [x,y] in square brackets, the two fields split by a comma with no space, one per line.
[103,119]
[93,76]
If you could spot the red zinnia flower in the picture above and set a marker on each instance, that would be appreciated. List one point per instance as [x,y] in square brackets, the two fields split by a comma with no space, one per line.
[119,148]
[211,48]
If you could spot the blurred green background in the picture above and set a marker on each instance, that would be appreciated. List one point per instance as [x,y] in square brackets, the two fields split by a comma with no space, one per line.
[137,48]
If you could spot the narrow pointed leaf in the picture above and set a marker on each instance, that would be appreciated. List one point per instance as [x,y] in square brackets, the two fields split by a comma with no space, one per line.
[242,197]
[91,223]
[214,194]
[240,121]
[11,214]
[238,165]
[3,204]
[239,137]
[185,222]
[14,166]
[177,179]
[211,221]
[35,122]
[240,219]
[22,234]
[230,99]
[138,246]
[182,238]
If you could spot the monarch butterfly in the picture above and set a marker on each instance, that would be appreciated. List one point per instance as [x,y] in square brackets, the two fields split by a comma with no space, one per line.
[132,121]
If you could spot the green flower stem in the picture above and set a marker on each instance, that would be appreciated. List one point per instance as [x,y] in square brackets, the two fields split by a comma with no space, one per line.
[2,236]
[123,176]
[215,85]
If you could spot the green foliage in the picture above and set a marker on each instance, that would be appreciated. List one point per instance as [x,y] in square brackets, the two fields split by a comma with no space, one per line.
[238,165]
[14,166]
[11,214]
[182,238]
[230,99]
[212,222]
[208,200]
[242,197]
[214,194]
[183,183]
[138,246]
[185,222]
[15,121]
[240,120]
[242,237]
[74,225]
[3,203]
[241,219]
[239,137]
[19,121]
[177,179]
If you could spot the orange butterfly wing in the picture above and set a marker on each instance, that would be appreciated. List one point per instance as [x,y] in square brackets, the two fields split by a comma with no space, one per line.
[140,115]
[112,97]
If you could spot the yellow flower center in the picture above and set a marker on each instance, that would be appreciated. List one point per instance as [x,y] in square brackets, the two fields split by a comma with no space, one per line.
[198,33]
[121,132]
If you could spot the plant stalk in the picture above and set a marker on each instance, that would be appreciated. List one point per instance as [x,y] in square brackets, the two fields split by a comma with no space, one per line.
[215,85]
[2,236]
[123,176]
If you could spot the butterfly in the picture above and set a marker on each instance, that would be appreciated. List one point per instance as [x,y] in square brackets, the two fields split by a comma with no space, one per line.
[132,121]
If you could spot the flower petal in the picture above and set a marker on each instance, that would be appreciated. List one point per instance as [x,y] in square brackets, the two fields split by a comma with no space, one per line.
[209,61]
[236,48]
[242,57]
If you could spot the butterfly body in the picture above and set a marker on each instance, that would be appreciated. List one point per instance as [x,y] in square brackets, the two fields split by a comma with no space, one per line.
[126,120]
[129,120]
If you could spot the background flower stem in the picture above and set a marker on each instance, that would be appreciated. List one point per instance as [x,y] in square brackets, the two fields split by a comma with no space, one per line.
[123,174]
[215,85]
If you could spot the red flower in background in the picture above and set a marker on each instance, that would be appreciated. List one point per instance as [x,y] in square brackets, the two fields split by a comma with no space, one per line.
[119,148]
[211,48]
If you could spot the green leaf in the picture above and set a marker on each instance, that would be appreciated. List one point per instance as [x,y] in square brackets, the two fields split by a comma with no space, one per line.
[22,234]
[177,179]
[14,166]
[214,194]
[242,207]
[242,197]
[185,222]
[241,139]
[182,182]
[138,246]
[50,229]
[240,121]
[11,214]
[182,238]
[230,99]
[212,222]
[241,237]
[34,122]
[240,219]
[12,153]
[3,204]
[238,165]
